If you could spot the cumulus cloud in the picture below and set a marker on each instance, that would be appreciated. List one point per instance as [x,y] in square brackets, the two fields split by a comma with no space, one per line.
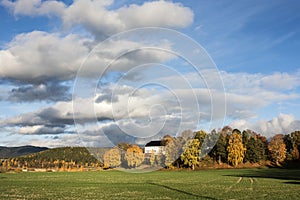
[247,92]
[245,83]
[282,124]
[37,56]
[102,21]
[38,63]
[154,14]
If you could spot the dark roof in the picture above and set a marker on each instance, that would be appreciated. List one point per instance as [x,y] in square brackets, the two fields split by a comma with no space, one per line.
[153,143]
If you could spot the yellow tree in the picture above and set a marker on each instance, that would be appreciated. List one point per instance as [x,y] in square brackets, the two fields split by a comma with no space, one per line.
[134,156]
[191,153]
[277,149]
[112,158]
[152,158]
[235,149]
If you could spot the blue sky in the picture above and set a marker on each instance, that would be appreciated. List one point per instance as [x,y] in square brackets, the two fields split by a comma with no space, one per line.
[255,46]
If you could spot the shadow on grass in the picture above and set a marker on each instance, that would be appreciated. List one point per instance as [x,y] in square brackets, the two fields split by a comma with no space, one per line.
[180,191]
[293,182]
[291,175]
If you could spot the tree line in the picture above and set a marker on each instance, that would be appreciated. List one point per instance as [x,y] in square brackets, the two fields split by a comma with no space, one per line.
[191,150]
[229,146]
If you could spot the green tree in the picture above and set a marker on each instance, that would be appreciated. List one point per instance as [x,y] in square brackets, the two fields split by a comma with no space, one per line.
[277,149]
[200,135]
[236,149]
[219,151]
[124,146]
[134,156]
[296,139]
[288,141]
[255,150]
[112,158]
[190,156]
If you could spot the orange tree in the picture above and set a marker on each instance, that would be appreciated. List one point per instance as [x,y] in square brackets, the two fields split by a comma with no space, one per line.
[134,156]
[112,158]
[277,148]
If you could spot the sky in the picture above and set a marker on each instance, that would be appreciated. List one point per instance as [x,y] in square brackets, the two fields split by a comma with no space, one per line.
[99,72]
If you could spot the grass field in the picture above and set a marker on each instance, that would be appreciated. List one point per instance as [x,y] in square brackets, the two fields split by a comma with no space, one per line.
[209,184]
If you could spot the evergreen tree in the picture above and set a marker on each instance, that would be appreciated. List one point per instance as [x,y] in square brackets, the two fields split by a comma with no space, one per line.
[219,152]
[254,150]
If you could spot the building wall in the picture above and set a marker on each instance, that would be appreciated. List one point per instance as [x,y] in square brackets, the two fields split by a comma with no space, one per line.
[157,150]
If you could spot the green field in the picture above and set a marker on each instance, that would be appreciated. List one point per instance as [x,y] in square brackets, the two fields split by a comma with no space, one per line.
[209,184]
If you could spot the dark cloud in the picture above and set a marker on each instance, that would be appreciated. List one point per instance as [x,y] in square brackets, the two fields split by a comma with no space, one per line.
[41,130]
[54,116]
[108,97]
[41,92]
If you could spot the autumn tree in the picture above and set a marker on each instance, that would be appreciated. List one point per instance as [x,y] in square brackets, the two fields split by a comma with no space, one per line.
[236,149]
[277,149]
[112,158]
[295,153]
[173,150]
[152,158]
[166,139]
[190,156]
[159,159]
[134,156]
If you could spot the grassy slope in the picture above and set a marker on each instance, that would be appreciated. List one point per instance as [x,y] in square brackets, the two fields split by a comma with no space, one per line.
[210,184]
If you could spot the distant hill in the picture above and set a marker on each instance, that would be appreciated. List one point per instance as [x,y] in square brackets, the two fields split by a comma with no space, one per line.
[62,158]
[68,154]
[12,152]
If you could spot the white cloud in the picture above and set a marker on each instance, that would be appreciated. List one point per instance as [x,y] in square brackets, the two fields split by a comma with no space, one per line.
[34,7]
[282,124]
[38,56]
[40,129]
[96,17]
[156,13]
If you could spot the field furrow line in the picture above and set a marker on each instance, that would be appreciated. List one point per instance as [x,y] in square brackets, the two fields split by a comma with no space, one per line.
[237,182]
[251,185]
